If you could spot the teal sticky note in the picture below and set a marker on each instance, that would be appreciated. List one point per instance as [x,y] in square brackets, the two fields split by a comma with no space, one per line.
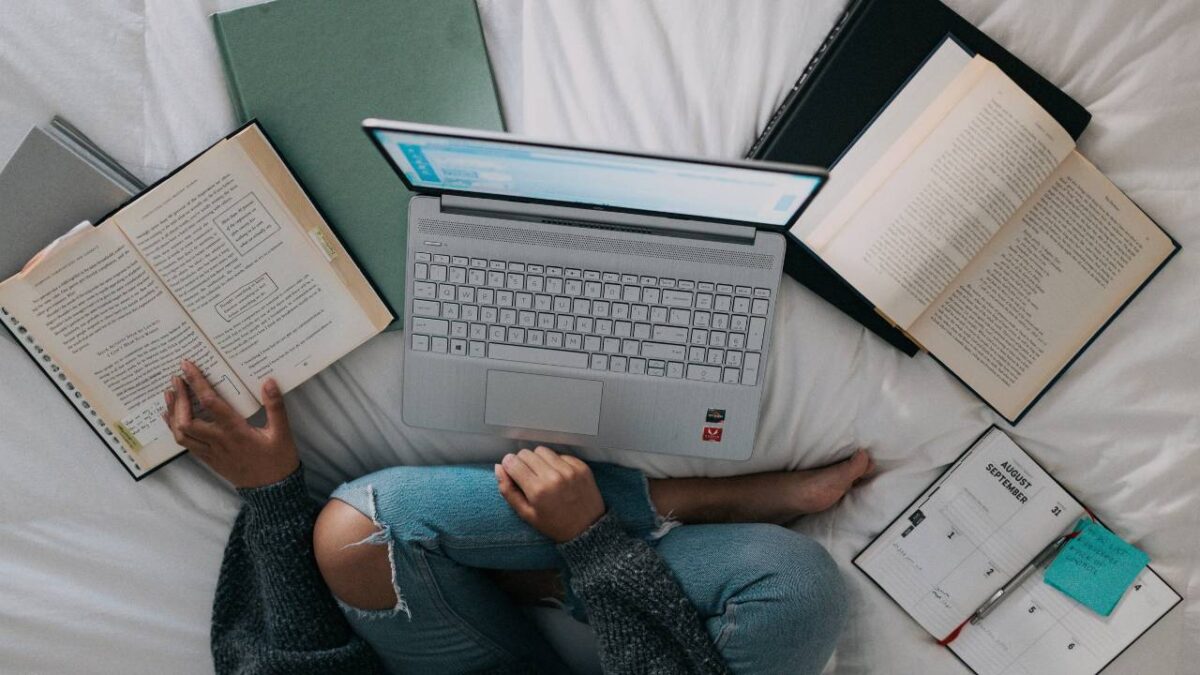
[1096,567]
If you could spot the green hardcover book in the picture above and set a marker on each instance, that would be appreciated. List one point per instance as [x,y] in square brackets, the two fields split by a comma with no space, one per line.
[311,70]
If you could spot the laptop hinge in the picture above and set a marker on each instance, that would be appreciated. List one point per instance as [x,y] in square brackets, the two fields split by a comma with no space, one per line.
[584,216]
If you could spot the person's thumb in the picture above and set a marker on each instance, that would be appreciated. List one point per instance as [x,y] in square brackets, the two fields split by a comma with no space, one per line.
[272,397]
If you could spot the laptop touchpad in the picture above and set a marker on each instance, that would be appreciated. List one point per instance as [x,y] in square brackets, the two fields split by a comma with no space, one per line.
[543,402]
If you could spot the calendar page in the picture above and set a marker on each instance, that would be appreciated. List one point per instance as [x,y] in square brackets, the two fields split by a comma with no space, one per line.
[975,529]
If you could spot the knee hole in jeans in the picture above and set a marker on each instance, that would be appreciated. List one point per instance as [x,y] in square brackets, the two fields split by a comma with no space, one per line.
[355,557]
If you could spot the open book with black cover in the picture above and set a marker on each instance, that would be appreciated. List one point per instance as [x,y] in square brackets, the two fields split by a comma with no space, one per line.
[966,217]
[976,528]
[225,262]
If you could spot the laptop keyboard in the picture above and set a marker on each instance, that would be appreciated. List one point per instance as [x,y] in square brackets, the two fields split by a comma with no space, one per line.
[588,319]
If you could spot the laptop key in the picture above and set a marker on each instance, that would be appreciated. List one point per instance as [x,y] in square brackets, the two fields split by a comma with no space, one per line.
[703,373]
[670,334]
[750,370]
[758,329]
[657,350]
[637,366]
[420,343]
[677,298]
[439,345]
[675,370]
[430,326]
[680,317]
[426,308]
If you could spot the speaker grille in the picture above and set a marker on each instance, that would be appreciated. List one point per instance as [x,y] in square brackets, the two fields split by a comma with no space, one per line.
[593,243]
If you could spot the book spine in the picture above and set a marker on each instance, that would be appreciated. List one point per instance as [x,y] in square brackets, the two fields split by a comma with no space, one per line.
[54,371]
[231,83]
[760,143]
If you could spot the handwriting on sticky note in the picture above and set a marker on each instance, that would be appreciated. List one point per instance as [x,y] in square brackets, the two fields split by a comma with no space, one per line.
[1096,567]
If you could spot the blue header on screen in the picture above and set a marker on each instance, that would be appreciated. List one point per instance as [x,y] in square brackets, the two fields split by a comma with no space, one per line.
[595,178]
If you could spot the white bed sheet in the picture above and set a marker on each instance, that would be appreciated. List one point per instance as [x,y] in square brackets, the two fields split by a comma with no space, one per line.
[98,574]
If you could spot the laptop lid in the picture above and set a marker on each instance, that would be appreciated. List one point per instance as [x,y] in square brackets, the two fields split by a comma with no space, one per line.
[464,162]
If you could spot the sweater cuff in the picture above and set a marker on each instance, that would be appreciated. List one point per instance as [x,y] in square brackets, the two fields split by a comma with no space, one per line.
[277,502]
[598,542]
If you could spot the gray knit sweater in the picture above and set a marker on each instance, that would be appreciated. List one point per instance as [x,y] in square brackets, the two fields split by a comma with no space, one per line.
[273,613]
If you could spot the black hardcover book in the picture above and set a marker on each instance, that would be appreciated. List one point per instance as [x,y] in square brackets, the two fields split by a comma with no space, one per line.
[869,54]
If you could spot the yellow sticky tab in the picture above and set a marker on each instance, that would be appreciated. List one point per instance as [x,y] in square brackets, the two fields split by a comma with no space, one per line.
[127,436]
[322,243]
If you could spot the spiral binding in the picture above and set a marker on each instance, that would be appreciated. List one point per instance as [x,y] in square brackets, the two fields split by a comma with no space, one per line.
[55,372]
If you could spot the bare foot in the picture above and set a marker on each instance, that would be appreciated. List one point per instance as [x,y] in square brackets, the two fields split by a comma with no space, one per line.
[814,490]
[770,497]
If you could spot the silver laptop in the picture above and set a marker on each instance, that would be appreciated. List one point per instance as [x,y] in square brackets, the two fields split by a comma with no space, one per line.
[589,296]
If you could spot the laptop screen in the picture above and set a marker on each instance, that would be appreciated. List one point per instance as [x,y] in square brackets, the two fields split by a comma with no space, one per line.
[612,180]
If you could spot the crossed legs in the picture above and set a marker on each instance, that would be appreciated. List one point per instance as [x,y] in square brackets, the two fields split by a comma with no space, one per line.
[430,596]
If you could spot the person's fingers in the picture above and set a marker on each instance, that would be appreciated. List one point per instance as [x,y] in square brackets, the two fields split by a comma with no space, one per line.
[553,460]
[515,498]
[519,471]
[272,398]
[181,404]
[538,463]
[579,465]
[208,397]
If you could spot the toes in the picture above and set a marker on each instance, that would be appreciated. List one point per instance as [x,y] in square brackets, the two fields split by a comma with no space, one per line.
[859,465]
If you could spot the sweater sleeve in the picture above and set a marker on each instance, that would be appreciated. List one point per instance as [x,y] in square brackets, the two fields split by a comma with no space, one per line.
[643,621]
[273,612]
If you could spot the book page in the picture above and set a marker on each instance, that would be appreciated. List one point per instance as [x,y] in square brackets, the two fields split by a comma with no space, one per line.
[921,91]
[1065,263]
[95,306]
[1038,629]
[969,534]
[972,167]
[262,289]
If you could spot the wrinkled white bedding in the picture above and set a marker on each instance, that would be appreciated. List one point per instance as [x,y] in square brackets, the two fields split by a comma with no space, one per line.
[98,574]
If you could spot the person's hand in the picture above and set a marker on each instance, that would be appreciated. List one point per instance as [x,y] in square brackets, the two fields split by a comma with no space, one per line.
[554,493]
[242,454]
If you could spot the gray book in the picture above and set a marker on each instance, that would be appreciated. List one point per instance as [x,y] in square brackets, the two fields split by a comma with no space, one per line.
[56,179]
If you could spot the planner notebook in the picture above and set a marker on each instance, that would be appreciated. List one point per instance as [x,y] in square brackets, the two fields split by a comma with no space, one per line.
[312,70]
[871,51]
[974,529]
[225,262]
[965,216]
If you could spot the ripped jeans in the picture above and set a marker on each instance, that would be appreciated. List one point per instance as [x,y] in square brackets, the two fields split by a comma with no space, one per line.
[773,601]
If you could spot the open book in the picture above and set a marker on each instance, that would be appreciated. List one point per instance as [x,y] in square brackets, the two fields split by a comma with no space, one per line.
[967,218]
[974,529]
[225,262]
